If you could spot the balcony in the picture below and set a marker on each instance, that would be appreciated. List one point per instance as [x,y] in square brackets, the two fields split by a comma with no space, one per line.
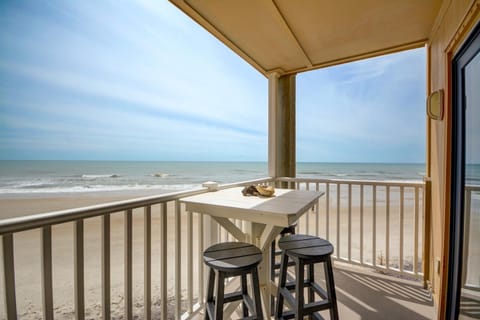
[140,258]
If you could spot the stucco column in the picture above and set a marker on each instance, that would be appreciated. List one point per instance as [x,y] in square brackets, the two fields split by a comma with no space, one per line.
[281,125]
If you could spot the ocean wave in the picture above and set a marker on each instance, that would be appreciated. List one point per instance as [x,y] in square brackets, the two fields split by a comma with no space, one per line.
[97,188]
[34,185]
[99,176]
[160,175]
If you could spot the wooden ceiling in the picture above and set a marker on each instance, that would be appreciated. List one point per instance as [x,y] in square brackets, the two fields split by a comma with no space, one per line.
[291,36]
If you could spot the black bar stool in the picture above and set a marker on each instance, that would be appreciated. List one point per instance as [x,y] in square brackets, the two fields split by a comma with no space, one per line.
[232,259]
[274,266]
[305,250]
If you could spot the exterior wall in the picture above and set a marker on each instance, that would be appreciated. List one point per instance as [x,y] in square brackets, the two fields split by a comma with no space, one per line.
[453,25]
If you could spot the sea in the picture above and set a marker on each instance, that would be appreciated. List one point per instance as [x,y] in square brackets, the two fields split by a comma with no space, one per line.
[23,177]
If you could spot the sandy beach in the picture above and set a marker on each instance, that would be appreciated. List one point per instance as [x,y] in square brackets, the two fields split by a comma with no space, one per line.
[27,251]
[27,255]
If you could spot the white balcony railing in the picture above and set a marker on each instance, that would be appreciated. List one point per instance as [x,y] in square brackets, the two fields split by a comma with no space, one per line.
[373,223]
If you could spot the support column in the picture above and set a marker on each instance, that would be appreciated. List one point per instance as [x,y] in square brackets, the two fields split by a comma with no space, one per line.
[281,125]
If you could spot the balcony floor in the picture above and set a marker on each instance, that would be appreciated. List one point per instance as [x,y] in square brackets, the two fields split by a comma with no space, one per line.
[366,294]
[363,293]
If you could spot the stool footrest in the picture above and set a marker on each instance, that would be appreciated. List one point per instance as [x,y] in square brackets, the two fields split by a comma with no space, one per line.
[210,309]
[234,296]
[249,302]
[308,307]
[319,290]
[291,315]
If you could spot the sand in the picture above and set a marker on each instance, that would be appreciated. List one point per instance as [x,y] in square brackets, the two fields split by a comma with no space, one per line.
[27,255]
[27,252]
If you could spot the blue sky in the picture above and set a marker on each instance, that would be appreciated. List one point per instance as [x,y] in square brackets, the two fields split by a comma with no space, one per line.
[139,80]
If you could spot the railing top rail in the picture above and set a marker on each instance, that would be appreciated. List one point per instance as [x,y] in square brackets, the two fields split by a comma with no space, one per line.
[55,217]
[39,220]
[392,183]
[472,187]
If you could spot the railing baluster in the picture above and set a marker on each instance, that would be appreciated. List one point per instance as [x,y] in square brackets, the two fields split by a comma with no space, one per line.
[374,225]
[387,227]
[47,291]
[128,264]
[402,208]
[163,262]
[338,222]
[189,263]
[9,277]
[147,262]
[178,261]
[79,282]
[415,235]
[327,211]
[350,222]
[466,233]
[426,230]
[317,213]
[307,221]
[106,309]
[361,223]
[201,285]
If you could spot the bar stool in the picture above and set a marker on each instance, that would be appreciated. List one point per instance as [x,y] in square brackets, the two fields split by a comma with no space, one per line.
[274,266]
[305,250]
[232,259]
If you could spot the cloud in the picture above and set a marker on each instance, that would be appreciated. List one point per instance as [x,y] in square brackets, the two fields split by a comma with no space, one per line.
[140,73]
[141,80]
[377,104]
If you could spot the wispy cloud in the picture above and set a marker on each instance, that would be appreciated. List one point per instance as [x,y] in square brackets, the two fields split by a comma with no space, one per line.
[374,108]
[140,80]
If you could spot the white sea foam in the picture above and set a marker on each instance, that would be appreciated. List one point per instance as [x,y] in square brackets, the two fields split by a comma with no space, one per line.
[99,176]
[160,175]
[95,188]
[87,176]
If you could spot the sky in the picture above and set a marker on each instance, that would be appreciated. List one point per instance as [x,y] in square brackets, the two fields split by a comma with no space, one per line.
[139,80]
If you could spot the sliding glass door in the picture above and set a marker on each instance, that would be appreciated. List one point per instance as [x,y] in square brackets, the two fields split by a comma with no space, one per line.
[464,267]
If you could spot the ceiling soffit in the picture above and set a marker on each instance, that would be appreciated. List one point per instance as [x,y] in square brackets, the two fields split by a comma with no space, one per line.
[286,36]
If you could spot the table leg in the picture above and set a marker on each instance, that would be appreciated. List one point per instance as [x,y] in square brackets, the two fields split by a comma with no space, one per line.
[263,235]
[264,279]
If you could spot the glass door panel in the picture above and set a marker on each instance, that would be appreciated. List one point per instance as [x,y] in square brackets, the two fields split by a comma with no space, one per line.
[470,292]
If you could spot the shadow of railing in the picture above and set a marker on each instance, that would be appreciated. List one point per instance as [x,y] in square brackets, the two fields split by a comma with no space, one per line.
[371,295]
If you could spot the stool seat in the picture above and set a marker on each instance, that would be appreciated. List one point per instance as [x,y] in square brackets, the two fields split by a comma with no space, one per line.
[232,259]
[305,246]
[232,256]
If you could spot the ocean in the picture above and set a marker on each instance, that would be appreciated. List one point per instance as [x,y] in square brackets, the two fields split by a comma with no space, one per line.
[87,176]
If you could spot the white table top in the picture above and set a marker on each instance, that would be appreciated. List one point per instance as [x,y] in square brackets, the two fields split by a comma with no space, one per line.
[283,209]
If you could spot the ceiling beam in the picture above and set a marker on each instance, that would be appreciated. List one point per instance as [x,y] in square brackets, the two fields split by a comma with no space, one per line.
[361,56]
[308,61]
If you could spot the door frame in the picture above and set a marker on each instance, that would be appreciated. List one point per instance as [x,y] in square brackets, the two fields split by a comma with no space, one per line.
[454,284]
